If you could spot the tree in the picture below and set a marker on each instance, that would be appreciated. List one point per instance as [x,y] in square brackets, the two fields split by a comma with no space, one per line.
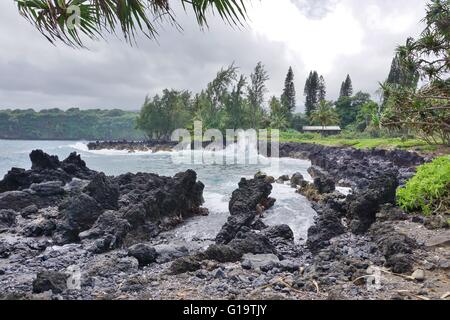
[324,114]
[346,88]
[237,106]
[299,120]
[276,107]
[430,55]
[349,107]
[68,20]
[311,92]
[426,110]
[288,98]
[210,105]
[217,89]
[399,74]
[256,91]
[73,124]
[278,121]
[368,116]
[322,89]
[161,115]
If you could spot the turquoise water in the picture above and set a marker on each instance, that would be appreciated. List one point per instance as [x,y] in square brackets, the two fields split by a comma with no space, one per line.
[220,181]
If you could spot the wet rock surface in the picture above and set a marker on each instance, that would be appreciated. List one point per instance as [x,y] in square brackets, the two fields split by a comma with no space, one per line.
[247,204]
[100,237]
[356,168]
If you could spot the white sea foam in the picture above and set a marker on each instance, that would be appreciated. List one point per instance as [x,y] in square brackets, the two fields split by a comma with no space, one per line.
[78,145]
[216,202]
[81,146]
[205,228]
[292,209]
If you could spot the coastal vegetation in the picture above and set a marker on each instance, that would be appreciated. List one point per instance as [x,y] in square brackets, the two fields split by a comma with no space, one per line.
[73,124]
[359,141]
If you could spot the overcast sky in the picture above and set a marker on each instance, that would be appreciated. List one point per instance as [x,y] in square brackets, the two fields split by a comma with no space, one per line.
[334,37]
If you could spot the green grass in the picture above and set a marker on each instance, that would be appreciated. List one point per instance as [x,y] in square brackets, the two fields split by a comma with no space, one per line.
[359,143]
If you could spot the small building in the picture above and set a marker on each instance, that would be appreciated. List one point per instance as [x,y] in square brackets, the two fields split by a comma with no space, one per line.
[326,131]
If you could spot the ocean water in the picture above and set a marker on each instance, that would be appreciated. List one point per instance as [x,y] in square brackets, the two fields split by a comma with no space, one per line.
[220,181]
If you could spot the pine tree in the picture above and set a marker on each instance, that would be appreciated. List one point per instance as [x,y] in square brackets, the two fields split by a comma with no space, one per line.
[311,92]
[346,88]
[400,75]
[395,73]
[322,89]
[349,86]
[288,98]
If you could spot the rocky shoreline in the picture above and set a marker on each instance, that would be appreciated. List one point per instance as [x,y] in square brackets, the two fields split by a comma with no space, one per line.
[68,232]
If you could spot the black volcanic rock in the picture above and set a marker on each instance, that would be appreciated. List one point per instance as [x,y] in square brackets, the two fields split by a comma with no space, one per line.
[80,211]
[251,242]
[46,168]
[16,200]
[185,264]
[73,161]
[222,253]
[327,226]
[297,179]
[15,179]
[147,204]
[104,191]
[50,280]
[358,167]
[400,263]
[42,161]
[363,206]
[246,204]
[250,194]
[7,218]
[110,231]
[145,254]
[47,189]
[162,200]
[282,231]
[396,247]
[29,211]
[41,227]
[234,224]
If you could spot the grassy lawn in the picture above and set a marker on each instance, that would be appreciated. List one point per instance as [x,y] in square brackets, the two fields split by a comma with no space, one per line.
[359,143]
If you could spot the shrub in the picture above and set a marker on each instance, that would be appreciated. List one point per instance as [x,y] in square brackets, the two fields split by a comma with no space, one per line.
[428,191]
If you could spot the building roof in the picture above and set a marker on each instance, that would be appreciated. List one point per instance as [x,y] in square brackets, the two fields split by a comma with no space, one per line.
[320,128]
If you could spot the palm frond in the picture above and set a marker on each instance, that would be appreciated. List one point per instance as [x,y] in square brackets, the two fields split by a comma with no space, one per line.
[95,18]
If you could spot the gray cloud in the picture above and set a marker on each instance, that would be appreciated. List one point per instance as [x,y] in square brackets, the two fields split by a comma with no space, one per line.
[35,74]
[315,9]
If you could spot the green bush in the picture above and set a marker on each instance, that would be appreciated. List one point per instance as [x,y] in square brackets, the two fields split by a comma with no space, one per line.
[428,191]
